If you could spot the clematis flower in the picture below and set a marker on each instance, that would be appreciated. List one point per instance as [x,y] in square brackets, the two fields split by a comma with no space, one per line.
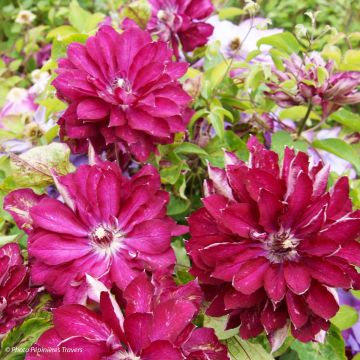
[271,244]
[110,227]
[25,17]
[156,325]
[179,21]
[316,82]
[15,292]
[237,41]
[121,89]
[29,136]
[18,102]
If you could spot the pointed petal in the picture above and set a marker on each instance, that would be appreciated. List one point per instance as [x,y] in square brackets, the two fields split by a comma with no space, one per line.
[321,301]
[297,277]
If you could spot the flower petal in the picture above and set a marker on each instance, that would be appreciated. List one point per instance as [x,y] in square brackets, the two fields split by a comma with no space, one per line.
[321,301]
[52,215]
[297,277]
[251,276]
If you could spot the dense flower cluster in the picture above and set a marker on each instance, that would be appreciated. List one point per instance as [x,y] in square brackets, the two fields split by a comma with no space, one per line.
[110,227]
[15,292]
[157,101]
[155,325]
[179,21]
[316,83]
[270,244]
[121,89]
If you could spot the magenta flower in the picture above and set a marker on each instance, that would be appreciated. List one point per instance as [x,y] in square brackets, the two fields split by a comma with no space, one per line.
[179,21]
[270,244]
[156,325]
[332,90]
[110,227]
[15,292]
[123,89]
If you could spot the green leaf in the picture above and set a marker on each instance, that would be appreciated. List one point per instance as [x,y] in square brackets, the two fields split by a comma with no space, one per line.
[255,77]
[217,74]
[346,317]
[240,349]
[221,111]
[14,65]
[236,145]
[351,60]
[230,12]
[276,57]
[51,134]
[333,348]
[280,139]
[24,335]
[189,148]
[182,258]
[177,206]
[77,16]
[341,149]
[297,113]
[61,32]
[322,75]
[139,11]
[170,175]
[58,49]
[198,114]
[217,121]
[6,239]
[356,293]
[52,105]
[331,52]
[347,118]
[93,21]
[284,41]
[32,168]
[219,325]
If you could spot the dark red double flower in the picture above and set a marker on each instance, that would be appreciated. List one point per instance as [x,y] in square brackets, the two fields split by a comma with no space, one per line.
[271,244]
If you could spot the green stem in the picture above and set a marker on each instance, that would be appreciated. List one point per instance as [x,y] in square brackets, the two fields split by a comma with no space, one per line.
[303,121]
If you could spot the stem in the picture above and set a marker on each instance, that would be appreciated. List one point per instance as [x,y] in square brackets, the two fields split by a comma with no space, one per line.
[303,121]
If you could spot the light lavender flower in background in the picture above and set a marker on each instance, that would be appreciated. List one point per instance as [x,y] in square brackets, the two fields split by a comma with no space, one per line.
[237,41]
[33,130]
[18,102]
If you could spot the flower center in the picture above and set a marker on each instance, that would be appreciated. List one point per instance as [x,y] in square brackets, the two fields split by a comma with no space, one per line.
[128,356]
[106,239]
[281,246]
[123,84]
[235,44]
[166,17]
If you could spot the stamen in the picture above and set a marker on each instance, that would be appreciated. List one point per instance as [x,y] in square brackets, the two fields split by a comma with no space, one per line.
[281,246]
[106,239]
